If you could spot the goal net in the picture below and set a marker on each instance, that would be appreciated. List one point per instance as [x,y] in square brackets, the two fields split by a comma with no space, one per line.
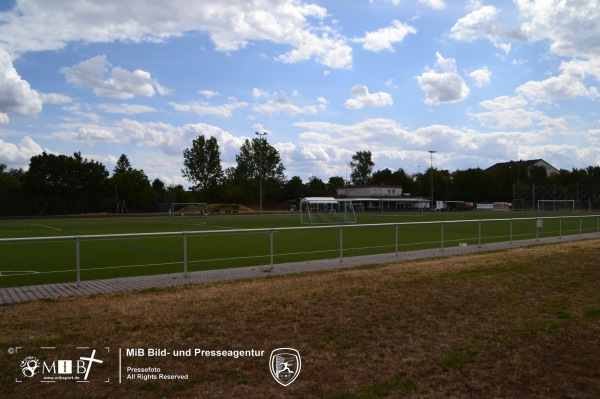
[556,205]
[198,209]
[326,210]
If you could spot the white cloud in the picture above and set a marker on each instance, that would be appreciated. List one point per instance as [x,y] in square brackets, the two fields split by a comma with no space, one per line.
[509,112]
[273,107]
[443,87]
[384,38]
[202,108]
[481,76]
[209,93]
[259,93]
[519,118]
[127,109]
[330,146]
[594,137]
[19,154]
[278,103]
[55,98]
[478,24]
[361,98]
[569,84]
[554,88]
[504,102]
[31,26]
[572,26]
[330,49]
[16,95]
[435,4]
[119,83]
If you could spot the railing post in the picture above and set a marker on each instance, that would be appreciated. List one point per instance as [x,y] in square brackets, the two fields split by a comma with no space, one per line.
[271,247]
[341,245]
[396,240]
[77,260]
[511,231]
[479,244]
[442,238]
[580,224]
[185,254]
[560,228]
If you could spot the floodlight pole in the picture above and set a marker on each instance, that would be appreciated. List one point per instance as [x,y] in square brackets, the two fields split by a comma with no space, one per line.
[432,203]
[260,167]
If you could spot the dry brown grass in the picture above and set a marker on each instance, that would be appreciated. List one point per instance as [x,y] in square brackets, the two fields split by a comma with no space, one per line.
[523,323]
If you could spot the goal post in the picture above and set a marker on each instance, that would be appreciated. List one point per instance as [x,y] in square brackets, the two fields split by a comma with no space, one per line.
[188,209]
[556,205]
[326,210]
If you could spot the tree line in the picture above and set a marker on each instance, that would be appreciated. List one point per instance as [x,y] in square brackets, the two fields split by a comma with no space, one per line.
[61,184]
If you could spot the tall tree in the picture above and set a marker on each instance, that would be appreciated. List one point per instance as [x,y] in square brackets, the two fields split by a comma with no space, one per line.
[334,183]
[256,160]
[316,187]
[203,166]
[66,184]
[133,187]
[293,189]
[259,158]
[122,165]
[362,166]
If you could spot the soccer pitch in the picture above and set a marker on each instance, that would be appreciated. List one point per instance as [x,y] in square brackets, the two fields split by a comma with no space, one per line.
[226,241]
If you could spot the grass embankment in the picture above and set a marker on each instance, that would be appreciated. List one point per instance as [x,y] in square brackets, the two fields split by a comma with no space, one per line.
[523,323]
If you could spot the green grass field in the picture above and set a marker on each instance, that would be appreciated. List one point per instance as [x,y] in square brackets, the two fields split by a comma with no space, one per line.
[51,261]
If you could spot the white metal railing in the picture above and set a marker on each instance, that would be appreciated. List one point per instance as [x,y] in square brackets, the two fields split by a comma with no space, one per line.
[271,231]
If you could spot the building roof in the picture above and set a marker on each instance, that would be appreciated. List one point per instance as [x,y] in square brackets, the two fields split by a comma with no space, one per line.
[525,164]
[320,200]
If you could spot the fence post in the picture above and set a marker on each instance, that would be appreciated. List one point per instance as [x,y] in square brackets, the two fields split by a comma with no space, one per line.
[479,244]
[341,245]
[396,240]
[442,240]
[77,260]
[511,233]
[185,258]
[580,223]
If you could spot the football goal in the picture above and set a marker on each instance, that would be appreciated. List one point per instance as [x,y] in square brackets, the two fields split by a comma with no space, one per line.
[326,210]
[198,209]
[556,205]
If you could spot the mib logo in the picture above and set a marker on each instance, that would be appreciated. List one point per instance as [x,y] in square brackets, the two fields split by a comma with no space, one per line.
[29,366]
[59,370]
[285,365]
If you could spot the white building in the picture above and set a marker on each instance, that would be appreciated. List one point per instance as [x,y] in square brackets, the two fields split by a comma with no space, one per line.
[369,191]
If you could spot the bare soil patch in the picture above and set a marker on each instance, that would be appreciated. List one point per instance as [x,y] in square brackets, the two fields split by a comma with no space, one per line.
[523,323]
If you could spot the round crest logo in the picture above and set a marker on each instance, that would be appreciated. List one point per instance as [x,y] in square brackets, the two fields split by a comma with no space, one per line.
[285,365]
[29,365]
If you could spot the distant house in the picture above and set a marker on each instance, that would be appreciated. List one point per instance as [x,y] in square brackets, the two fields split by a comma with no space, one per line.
[523,166]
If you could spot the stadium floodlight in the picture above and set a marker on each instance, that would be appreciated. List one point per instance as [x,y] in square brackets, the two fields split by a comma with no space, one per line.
[260,167]
[432,203]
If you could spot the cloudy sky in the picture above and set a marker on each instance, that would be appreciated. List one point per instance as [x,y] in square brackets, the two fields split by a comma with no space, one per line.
[477,81]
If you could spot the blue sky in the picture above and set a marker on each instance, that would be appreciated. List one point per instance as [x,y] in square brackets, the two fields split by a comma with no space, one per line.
[479,82]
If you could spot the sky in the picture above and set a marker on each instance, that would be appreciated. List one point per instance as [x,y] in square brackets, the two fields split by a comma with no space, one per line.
[479,82]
